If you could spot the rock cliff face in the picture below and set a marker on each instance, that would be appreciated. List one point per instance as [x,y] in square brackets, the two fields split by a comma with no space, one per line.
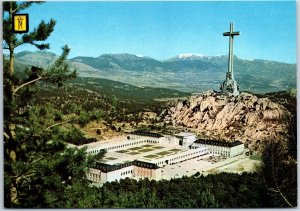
[246,117]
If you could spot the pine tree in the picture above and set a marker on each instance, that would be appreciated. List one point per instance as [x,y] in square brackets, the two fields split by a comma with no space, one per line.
[40,170]
[279,174]
[207,200]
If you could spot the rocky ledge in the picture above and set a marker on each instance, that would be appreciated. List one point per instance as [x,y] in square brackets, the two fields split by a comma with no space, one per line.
[246,118]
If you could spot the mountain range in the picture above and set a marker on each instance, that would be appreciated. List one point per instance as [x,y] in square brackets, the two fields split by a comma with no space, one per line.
[185,72]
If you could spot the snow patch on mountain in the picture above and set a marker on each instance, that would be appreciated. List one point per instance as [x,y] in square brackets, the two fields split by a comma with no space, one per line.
[190,55]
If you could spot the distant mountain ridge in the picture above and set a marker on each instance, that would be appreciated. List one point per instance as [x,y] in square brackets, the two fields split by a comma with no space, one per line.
[186,72]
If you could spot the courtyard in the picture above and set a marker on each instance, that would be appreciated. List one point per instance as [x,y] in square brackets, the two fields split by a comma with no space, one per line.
[147,152]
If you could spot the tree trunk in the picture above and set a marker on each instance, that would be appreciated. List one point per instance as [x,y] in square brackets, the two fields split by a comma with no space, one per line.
[11,61]
[11,43]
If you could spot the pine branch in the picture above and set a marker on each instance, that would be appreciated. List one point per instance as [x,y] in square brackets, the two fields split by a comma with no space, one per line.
[19,43]
[56,74]
[24,176]
[6,135]
[41,46]
[274,177]
[51,126]
[26,84]
[25,5]
[282,196]
[56,124]
[41,33]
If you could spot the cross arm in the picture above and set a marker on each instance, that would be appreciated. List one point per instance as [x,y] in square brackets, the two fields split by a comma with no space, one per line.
[231,34]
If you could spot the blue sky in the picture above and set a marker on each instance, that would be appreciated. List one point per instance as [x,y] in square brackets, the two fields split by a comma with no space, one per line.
[164,29]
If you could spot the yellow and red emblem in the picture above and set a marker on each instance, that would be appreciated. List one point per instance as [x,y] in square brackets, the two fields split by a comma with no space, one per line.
[20,23]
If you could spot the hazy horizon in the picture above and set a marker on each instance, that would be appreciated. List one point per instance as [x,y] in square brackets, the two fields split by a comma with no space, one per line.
[146,56]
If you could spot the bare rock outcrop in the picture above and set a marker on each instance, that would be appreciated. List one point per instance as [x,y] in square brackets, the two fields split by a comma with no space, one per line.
[246,117]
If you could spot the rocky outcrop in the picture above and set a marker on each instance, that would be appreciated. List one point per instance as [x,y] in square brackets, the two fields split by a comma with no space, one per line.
[246,117]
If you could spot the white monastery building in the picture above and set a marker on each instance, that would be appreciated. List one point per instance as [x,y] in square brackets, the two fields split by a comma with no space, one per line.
[227,149]
[144,154]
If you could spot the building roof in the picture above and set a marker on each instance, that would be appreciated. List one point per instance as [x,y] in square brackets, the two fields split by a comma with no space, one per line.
[184,134]
[144,133]
[108,168]
[145,164]
[218,143]
[104,167]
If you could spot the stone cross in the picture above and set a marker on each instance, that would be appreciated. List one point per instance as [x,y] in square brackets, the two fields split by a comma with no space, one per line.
[231,35]
[230,86]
